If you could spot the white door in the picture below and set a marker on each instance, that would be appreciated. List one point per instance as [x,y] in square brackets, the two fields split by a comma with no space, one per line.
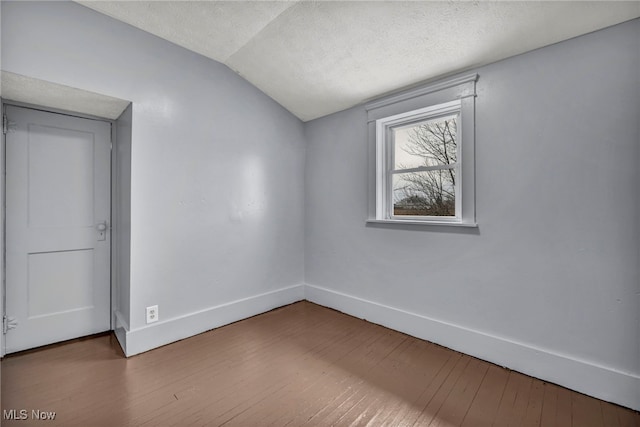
[57,227]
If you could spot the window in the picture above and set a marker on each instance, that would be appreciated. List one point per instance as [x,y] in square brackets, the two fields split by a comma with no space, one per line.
[423,156]
[419,158]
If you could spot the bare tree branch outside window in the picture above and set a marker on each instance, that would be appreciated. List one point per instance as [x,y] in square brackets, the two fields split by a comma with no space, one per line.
[432,192]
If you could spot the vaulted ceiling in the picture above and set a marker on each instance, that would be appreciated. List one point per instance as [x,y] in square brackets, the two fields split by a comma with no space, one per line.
[319,57]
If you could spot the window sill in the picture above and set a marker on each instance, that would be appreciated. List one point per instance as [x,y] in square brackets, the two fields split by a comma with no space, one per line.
[413,222]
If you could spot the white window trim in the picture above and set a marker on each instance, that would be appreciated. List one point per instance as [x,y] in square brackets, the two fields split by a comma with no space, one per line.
[385,161]
[455,96]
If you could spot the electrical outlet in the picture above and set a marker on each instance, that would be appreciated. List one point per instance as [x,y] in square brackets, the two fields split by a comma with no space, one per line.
[152,314]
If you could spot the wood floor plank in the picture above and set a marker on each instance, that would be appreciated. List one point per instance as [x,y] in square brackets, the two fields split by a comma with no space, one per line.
[456,405]
[586,411]
[609,415]
[514,401]
[485,405]
[533,413]
[385,389]
[419,361]
[627,417]
[298,365]
[431,365]
[390,387]
[549,407]
[564,409]
[441,394]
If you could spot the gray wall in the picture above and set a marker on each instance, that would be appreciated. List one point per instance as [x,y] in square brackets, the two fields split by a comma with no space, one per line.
[217,167]
[553,266]
[122,218]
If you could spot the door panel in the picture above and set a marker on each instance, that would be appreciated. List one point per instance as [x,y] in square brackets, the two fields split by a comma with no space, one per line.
[58,191]
[72,269]
[58,198]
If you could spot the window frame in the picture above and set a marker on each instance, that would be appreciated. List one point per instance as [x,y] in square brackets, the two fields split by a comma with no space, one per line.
[440,99]
[385,160]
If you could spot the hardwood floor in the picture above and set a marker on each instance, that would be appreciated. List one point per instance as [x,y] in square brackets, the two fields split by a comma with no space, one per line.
[298,365]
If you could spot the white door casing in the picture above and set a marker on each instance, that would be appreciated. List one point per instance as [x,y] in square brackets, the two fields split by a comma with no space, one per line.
[57,227]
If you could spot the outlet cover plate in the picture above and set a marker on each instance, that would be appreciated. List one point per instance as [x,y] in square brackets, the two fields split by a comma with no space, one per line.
[152,314]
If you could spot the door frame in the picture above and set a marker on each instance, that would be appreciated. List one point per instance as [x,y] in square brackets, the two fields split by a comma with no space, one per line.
[3,187]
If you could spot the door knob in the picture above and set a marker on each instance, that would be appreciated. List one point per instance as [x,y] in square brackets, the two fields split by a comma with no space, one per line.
[102,230]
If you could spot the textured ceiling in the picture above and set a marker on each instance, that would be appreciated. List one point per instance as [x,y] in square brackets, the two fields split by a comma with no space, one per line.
[319,57]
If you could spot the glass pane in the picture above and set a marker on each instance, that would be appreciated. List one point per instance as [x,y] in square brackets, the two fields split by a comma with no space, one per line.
[427,143]
[430,193]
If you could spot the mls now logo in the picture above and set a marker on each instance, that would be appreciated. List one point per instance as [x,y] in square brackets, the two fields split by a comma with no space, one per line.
[23,414]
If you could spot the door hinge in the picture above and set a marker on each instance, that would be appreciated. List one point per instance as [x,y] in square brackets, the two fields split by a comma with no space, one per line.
[5,124]
[8,323]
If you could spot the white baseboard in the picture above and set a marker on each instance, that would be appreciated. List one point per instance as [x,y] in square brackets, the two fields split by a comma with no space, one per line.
[165,332]
[598,381]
